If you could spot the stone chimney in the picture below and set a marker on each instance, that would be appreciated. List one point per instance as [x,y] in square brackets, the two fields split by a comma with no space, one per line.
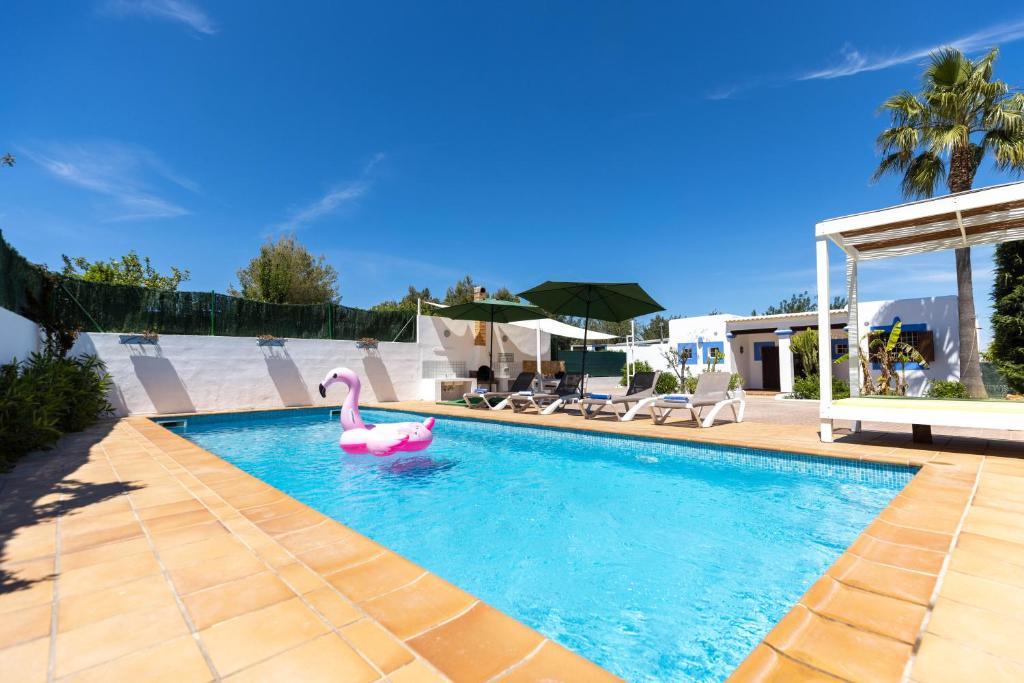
[480,330]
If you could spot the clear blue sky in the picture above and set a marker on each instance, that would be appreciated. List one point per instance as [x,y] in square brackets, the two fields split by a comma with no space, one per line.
[690,147]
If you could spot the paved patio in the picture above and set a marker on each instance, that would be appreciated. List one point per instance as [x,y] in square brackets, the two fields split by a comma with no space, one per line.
[130,553]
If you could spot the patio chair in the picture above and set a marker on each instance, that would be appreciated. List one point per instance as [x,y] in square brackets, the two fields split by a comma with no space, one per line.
[640,392]
[567,391]
[498,400]
[712,390]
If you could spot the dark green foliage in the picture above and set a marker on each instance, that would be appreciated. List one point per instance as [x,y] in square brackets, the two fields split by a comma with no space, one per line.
[64,305]
[45,397]
[656,327]
[285,272]
[944,388]
[408,302]
[667,382]
[130,269]
[1007,350]
[796,303]
[807,388]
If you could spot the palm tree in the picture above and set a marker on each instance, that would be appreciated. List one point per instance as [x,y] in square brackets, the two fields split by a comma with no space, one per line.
[943,134]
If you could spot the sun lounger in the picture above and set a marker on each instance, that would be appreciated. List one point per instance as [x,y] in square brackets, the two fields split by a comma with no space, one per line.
[567,391]
[498,400]
[639,394]
[712,390]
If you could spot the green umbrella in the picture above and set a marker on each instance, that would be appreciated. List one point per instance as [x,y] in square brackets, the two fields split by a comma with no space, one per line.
[611,301]
[493,311]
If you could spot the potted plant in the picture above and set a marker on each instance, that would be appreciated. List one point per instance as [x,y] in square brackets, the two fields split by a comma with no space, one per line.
[736,386]
[146,337]
[269,340]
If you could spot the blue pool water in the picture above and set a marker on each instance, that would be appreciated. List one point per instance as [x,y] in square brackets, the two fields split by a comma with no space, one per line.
[660,561]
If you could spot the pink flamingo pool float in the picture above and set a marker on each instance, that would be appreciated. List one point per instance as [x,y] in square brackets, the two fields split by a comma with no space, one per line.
[381,439]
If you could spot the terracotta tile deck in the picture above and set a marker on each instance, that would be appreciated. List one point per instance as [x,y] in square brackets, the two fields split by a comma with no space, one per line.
[129,553]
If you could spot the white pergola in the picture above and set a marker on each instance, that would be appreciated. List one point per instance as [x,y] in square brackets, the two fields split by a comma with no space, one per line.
[987,216]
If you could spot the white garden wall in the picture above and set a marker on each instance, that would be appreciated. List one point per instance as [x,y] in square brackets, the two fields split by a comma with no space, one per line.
[185,373]
[18,337]
[189,373]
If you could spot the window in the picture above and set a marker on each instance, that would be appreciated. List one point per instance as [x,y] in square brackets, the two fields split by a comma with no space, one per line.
[917,335]
[688,351]
[714,350]
[840,347]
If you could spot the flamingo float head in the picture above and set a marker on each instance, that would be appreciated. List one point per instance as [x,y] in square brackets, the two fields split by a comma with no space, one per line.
[343,375]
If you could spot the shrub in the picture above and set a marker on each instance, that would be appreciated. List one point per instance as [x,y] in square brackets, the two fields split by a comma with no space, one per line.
[807,388]
[736,381]
[945,388]
[667,382]
[47,396]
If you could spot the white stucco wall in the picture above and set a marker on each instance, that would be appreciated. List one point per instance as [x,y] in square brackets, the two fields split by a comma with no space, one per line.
[185,373]
[459,346]
[936,314]
[939,314]
[18,336]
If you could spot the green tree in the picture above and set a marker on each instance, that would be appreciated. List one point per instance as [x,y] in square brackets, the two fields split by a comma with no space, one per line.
[1007,350]
[656,327]
[505,294]
[942,135]
[804,345]
[461,292]
[800,302]
[127,270]
[285,272]
[407,302]
[619,329]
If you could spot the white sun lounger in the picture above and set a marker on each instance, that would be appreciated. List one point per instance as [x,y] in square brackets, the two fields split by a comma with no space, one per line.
[567,391]
[712,390]
[640,393]
[498,400]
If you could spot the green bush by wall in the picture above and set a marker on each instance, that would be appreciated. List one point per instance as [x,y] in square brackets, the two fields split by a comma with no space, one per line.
[45,397]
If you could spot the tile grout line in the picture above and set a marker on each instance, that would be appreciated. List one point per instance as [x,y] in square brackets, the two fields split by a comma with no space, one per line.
[457,615]
[51,666]
[943,571]
[193,631]
[800,662]
[522,662]
[323,618]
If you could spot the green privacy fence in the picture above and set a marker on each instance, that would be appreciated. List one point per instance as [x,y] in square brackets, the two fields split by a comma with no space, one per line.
[599,363]
[34,292]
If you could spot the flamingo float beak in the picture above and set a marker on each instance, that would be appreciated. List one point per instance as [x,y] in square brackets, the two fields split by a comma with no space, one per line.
[323,391]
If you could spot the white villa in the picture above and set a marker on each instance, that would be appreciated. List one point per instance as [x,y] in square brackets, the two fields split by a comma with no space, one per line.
[758,347]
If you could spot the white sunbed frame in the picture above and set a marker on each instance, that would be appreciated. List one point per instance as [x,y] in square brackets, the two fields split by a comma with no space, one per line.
[484,404]
[661,410]
[521,403]
[712,390]
[592,407]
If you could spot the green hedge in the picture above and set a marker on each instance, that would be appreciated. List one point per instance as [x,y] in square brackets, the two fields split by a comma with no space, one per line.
[46,396]
[34,292]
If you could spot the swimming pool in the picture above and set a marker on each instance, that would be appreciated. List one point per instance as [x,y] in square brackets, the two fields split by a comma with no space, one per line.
[658,560]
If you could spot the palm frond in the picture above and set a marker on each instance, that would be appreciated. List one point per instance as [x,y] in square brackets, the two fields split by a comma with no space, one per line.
[947,69]
[898,139]
[923,176]
[897,162]
[1008,149]
[943,139]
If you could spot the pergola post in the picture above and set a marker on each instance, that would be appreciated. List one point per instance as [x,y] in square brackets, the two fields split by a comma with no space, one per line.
[853,329]
[824,342]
